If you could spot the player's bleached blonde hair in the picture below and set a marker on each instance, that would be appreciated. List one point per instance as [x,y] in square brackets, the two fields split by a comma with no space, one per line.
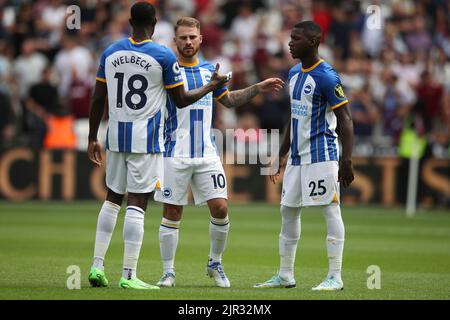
[187,22]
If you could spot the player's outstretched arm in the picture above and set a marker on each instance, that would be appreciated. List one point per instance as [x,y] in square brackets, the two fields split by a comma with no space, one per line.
[183,98]
[284,149]
[345,124]
[95,116]
[239,97]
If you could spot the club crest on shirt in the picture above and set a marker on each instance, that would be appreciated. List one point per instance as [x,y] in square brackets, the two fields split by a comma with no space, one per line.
[308,89]
[339,91]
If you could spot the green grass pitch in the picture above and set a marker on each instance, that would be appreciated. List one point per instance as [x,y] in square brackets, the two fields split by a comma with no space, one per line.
[38,241]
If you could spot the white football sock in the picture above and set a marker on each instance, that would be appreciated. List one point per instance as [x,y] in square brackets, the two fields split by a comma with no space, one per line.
[168,242]
[133,233]
[105,226]
[289,236]
[218,233]
[335,239]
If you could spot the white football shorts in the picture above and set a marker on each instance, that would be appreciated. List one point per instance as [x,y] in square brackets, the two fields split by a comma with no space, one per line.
[134,172]
[205,175]
[314,184]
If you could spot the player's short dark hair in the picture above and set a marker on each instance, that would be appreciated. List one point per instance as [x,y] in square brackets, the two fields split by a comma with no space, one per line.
[143,14]
[187,22]
[310,28]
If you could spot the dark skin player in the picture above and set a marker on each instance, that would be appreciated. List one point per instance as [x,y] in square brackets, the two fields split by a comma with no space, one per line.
[304,45]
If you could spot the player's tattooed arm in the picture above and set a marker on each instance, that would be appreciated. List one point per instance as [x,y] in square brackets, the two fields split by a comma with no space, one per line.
[183,98]
[98,103]
[345,126]
[239,97]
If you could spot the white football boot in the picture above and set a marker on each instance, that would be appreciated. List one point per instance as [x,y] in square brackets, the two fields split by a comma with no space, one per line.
[167,280]
[215,271]
[277,282]
[329,284]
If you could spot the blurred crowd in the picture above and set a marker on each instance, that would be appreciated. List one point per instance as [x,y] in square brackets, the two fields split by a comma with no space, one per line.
[392,56]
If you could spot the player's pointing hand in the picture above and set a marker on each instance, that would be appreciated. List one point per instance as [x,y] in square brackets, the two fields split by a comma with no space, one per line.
[218,80]
[216,71]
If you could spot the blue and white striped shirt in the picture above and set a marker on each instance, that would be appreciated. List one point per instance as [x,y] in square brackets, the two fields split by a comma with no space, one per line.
[188,131]
[314,94]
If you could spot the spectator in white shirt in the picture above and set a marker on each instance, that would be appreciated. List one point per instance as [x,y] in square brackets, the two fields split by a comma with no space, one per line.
[28,67]
[244,28]
[73,60]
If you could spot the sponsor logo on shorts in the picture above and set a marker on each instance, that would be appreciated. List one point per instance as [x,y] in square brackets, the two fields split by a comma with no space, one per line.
[167,193]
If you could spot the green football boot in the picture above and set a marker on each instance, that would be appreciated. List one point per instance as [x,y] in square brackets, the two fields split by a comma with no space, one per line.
[97,278]
[136,284]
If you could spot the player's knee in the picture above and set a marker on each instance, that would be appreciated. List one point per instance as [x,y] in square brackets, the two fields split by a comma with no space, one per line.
[290,213]
[335,230]
[113,197]
[138,200]
[219,210]
[290,238]
[172,213]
